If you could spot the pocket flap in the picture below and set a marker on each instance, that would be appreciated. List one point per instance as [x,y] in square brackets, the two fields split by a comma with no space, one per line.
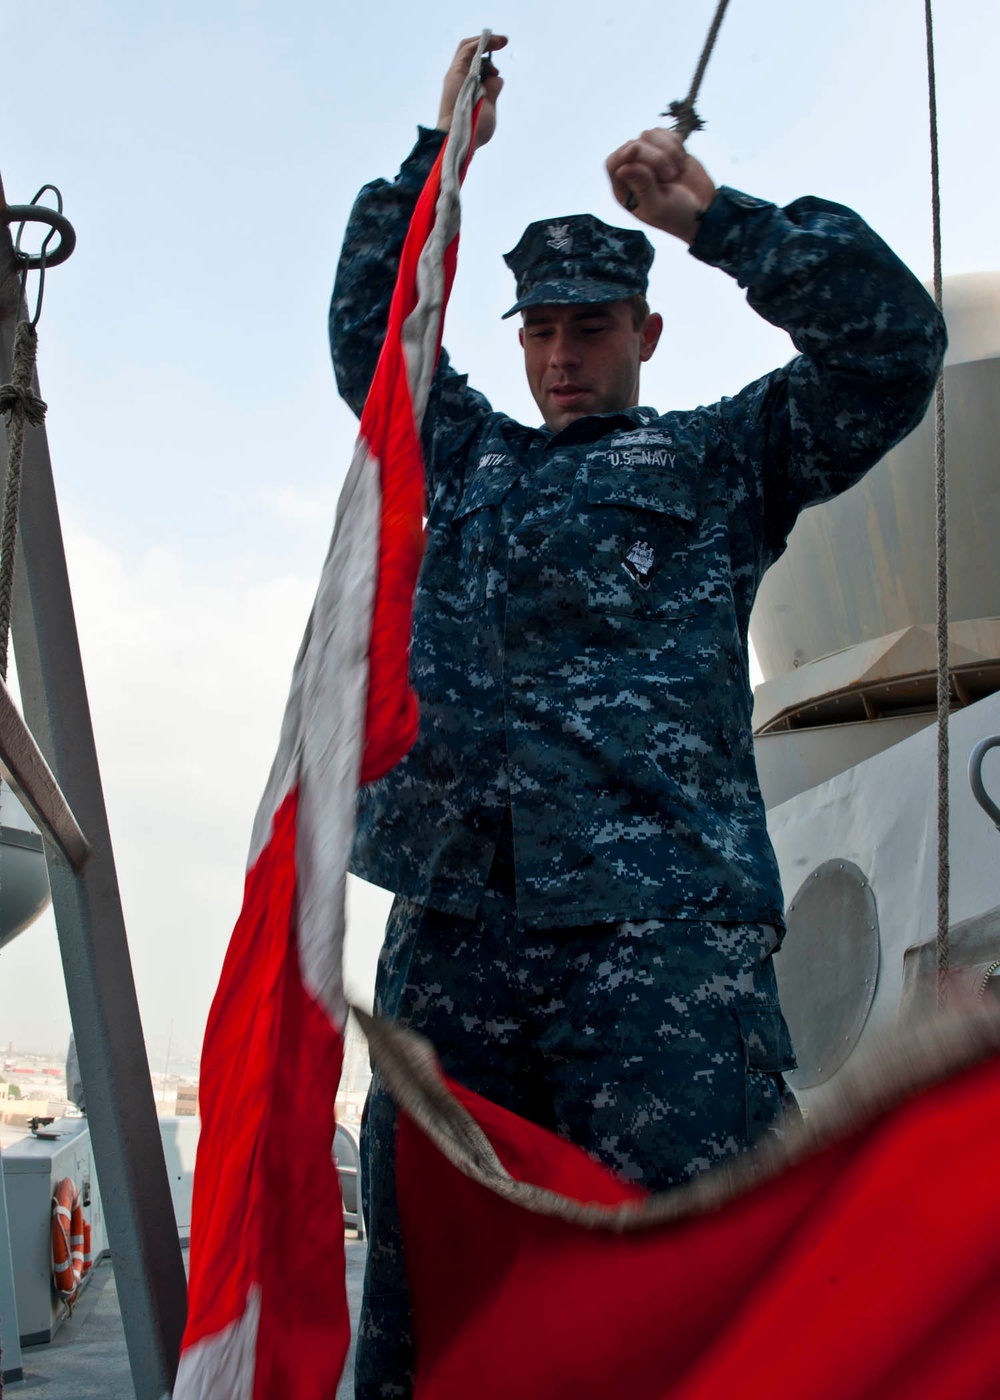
[642,489]
[487,488]
[766,1042]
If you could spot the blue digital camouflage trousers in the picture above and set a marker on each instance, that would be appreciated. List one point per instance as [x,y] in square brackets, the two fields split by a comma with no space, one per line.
[657,1046]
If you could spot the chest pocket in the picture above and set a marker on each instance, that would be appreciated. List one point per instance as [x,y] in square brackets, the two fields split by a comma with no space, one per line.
[477,523]
[641,526]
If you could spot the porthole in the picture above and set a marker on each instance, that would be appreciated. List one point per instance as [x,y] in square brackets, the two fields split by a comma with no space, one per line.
[827,968]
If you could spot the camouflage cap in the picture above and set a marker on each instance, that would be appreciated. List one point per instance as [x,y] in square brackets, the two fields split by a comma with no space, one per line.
[578,260]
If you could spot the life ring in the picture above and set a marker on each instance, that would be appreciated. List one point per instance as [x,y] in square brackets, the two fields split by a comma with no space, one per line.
[70,1240]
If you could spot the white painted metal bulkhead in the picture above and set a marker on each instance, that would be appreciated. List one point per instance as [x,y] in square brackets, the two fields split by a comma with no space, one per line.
[880,815]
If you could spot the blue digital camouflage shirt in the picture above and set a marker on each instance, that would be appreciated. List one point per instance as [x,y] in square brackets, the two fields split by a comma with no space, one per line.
[580,636]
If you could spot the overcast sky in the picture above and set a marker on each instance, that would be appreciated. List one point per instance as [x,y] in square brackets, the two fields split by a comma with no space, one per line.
[208,155]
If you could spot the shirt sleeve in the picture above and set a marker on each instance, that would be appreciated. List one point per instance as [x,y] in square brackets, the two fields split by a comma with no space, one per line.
[871,345]
[359,308]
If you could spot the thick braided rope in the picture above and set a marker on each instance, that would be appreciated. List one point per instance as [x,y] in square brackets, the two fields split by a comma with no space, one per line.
[941,545]
[686,119]
[22,407]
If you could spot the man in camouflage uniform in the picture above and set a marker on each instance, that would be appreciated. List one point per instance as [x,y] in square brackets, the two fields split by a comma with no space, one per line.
[587,899]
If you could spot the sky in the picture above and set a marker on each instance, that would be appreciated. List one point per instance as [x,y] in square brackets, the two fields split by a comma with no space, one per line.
[208,155]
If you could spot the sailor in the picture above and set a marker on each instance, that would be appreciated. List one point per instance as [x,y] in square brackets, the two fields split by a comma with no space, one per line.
[587,899]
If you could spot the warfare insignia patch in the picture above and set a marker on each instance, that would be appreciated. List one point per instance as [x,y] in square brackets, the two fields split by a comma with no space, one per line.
[638,563]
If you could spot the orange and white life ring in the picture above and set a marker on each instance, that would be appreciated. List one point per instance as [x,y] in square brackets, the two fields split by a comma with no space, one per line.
[70,1239]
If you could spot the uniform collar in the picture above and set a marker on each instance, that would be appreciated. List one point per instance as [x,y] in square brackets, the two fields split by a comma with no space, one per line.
[598,425]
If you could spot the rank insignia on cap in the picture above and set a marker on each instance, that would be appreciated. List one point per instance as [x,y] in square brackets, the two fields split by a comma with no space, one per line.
[638,563]
[576,260]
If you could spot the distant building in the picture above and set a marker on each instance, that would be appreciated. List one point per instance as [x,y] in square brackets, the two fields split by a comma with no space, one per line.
[187,1101]
[19,1112]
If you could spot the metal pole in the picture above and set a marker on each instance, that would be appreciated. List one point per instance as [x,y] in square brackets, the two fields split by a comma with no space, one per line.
[125,1133]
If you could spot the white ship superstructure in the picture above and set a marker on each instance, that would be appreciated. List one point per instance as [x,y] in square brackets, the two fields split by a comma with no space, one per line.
[844,630]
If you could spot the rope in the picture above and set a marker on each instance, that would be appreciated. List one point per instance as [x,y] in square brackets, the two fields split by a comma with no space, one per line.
[686,119]
[22,406]
[941,544]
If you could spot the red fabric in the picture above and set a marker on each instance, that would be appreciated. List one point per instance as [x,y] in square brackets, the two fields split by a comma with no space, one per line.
[387,424]
[869,1272]
[266,1195]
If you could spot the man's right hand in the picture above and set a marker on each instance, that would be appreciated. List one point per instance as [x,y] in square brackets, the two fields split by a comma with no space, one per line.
[454,79]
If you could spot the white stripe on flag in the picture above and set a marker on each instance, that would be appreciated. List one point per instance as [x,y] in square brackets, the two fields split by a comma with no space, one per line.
[334,695]
[221,1367]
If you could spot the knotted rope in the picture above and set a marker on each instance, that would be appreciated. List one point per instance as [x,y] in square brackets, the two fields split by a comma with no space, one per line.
[22,407]
[941,549]
[686,119]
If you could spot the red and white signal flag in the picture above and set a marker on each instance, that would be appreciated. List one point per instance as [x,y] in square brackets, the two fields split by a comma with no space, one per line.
[267,1315]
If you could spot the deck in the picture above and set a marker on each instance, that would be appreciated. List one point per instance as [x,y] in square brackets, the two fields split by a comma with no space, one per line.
[87,1359]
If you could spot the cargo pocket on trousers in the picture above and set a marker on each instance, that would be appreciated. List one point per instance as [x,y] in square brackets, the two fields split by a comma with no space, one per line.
[767,1055]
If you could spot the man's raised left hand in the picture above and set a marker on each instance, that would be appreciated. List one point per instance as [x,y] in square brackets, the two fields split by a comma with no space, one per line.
[655,178]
